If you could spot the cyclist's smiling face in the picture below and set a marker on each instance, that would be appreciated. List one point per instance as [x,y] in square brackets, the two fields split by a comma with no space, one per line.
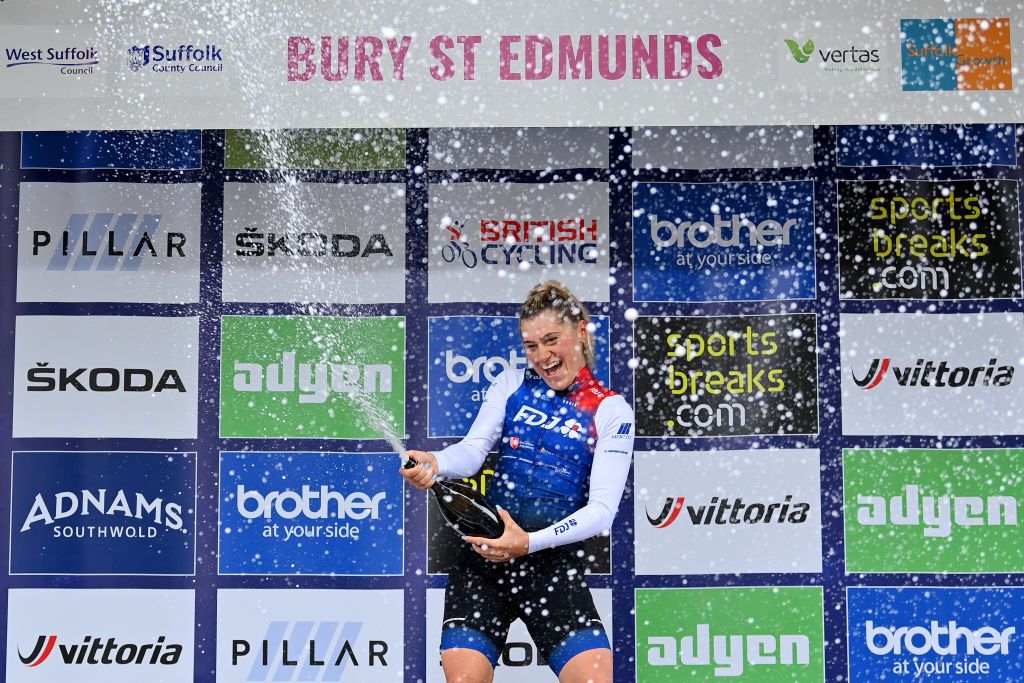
[554,347]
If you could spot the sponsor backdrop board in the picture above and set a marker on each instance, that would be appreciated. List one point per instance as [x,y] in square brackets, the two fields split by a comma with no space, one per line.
[103,513]
[93,635]
[519,661]
[119,242]
[727,512]
[933,511]
[936,634]
[494,241]
[131,392]
[932,374]
[323,513]
[124,376]
[314,242]
[310,635]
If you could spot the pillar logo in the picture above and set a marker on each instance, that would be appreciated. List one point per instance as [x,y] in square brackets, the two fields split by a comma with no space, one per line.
[723,241]
[956,54]
[468,353]
[315,377]
[342,635]
[954,634]
[933,510]
[714,376]
[771,634]
[328,514]
[175,59]
[91,512]
[929,240]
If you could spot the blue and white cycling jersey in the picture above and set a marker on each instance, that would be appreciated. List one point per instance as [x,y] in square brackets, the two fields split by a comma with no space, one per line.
[563,456]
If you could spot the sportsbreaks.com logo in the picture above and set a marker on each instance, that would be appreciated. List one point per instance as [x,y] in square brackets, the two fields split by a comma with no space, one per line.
[99,650]
[168,59]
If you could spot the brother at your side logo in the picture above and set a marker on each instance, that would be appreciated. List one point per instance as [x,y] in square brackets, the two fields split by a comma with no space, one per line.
[938,634]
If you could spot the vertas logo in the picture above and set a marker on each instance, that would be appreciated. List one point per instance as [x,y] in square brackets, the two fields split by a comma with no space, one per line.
[931,373]
[98,650]
[833,59]
[181,59]
[724,510]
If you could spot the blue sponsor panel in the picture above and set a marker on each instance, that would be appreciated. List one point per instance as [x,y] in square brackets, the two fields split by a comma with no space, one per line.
[976,144]
[311,513]
[134,149]
[723,241]
[103,513]
[936,634]
[468,352]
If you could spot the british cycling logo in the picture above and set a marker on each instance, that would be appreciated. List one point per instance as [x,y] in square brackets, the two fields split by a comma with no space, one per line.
[508,242]
[181,59]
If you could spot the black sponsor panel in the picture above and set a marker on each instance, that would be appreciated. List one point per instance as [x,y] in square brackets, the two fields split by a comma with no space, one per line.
[443,542]
[929,240]
[726,376]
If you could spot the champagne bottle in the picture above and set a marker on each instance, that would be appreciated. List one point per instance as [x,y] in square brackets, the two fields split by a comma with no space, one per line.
[464,509]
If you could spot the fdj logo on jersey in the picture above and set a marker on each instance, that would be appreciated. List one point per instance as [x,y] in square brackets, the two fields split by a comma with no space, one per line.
[535,418]
[508,242]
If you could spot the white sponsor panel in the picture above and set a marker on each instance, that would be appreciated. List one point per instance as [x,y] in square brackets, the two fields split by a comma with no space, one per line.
[856,55]
[109,242]
[518,148]
[106,377]
[57,635]
[494,241]
[268,635]
[519,660]
[727,512]
[52,62]
[938,375]
[723,147]
[314,242]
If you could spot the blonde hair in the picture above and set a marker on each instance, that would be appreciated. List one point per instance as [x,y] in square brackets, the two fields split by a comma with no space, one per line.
[554,296]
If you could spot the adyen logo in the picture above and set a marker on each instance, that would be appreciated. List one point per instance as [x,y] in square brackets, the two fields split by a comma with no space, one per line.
[696,242]
[316,377]
[771,634]
[955,634]
[181,59]
[121,242]
[955,511]
[331,513]
[67,60]
[932,373]
[956,54]
[98,650]
[724,510]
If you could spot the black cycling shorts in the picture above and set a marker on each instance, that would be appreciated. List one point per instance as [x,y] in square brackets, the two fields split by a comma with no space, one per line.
[546,589]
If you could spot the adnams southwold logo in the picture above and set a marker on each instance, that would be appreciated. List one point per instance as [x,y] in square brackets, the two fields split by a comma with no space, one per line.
[184,58]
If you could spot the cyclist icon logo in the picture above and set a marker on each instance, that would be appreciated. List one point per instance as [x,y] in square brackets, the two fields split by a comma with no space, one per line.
[457,249]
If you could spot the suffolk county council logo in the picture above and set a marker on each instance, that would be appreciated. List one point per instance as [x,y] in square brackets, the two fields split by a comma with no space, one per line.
[138,57]
[956,54]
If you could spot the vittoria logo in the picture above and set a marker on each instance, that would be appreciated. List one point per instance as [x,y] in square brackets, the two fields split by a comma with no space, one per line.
[929,373]
[731,511]
[95,650]
[120,241]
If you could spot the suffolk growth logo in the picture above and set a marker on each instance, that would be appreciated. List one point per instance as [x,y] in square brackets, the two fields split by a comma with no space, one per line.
[956,54]
[315,377]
